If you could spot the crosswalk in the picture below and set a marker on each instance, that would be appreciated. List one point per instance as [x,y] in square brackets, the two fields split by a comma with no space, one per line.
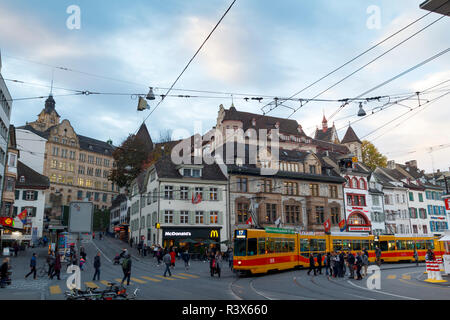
[57,289]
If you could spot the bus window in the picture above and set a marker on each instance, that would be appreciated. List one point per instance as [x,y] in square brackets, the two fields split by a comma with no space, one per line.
[383,245]
[304,245]
[391,245]
[365,244]
[291,245]
[322,245]
[420,245]
[313,245]
[270,245]
[401,244]
[251,246]
[430,244]
[410,245]
[346,245]
[240,247]
[356,245]
[337,245]
[261,245]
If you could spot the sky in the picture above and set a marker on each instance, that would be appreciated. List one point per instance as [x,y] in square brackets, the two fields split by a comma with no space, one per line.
[261,48]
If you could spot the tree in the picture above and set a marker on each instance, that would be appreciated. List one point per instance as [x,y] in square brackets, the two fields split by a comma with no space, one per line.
[129,158]
[165,135]
[371,157]
[101,220]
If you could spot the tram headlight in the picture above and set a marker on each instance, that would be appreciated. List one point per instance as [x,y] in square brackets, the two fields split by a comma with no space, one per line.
[239,262]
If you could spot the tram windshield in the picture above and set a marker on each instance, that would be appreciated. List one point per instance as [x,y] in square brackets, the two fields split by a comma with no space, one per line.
[240,247]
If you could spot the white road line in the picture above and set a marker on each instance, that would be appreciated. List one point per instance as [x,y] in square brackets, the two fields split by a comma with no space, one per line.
[258,292]
[378,291]
[234,294]
[101,252]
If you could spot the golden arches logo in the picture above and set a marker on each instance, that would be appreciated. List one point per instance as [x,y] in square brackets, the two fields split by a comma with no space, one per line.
[214,234]
[8,221]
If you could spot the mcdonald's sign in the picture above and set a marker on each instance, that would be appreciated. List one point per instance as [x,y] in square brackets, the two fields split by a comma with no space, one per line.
[214,234]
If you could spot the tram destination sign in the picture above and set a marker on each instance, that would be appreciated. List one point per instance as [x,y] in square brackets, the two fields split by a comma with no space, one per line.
[279,230]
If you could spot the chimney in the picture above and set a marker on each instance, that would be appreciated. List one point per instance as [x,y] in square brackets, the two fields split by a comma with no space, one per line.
[391,164]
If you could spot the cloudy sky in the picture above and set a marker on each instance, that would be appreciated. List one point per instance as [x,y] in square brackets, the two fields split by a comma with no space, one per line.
[261,48]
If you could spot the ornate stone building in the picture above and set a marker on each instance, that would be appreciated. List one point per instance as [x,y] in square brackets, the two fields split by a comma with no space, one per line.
[77,166]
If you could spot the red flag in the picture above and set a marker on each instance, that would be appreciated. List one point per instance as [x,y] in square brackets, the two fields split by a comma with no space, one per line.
[197,199]
[23,216]
[342,225]
[327,225]
[249,221]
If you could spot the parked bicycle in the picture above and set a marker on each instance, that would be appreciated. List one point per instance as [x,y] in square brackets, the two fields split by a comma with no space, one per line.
[113,292]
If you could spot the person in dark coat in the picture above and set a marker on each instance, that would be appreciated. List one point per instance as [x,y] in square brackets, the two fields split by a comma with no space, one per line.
[97,267]
[32,266]
[351,263]
[319,263]
[312,264]
[57,268]
[341,264]
[16,249]
[212,264]
[126,268]
[51,263]
[4,272]
[358,263]
[328,270]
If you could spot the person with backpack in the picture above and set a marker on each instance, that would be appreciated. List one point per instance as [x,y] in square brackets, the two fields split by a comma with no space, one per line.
[312,264]
[167,259]
[358,264]
[126,268]
[97,267]
[378,255]
[32,266]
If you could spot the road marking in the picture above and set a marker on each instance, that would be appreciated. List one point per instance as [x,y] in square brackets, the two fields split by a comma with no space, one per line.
[137,280]
[101,252]
[382,292]
[106,283]
[165,278]
[422,285]
[151,279]
[392,276]
[259,292]
[189,275]
[120,281]
[406,277]
[55,290]
[91,285]
[180,277]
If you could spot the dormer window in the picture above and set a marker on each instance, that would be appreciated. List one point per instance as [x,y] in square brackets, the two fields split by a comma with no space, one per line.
[277,125]
[90,147]
[22,179]
[187,172]
[195,173]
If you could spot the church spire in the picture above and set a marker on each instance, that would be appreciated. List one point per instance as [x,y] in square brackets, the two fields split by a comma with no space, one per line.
[324,124]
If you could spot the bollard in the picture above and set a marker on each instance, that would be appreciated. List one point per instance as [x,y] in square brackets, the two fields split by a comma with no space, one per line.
[441,264]
[437,272]
[429,272]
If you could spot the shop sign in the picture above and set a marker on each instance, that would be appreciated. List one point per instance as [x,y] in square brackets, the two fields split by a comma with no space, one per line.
[279,230]
[359,229]
[177,234]
[447,203]
[214,234]
[7,221]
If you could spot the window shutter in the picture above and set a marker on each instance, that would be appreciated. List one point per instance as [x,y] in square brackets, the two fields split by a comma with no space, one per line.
[36,195]
[220,193]
[14,211]
[176,217]
[206,217]
[190,193]
[191,217]
[24,195]
[219,217]
[17,194]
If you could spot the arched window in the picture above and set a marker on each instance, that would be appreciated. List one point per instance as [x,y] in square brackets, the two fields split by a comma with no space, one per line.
[362,184]
[348,183]
[357,218]
[355,183]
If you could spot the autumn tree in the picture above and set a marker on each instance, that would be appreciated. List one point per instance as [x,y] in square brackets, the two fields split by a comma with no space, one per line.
[129,159]
[371,157]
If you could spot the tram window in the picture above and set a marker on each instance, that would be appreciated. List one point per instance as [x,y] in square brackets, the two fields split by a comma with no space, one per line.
[304,245]
[240,247]
[313,245]
[347,245]
[383,245]
[371,246]
[356,245]
[401,244]
[410,244]
[430,244]
[261,245]
[322,245]
[391,245]
[420,245]
[291,245]
[365,244]
[337,245]
[251,246]
[278,243]
[270,245]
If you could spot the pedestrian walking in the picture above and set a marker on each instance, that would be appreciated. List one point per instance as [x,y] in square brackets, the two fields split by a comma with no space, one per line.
[312,265]
[341,264]
[186,257]
[101,236]
[327,263]
[51,263]
[82,262]
[93,235]
[4,272]
[212,264]
[358,264]
[319,263]
[97,267]
[159,255]
[334,264]
[350,264]
[378,255]
[16,248]
[32,266]
[57,267]
[416,257]
[365,264]
[126,268]
[139,248]
[230,259]
[144,249]
[167,261]
[172,258]
[83,253]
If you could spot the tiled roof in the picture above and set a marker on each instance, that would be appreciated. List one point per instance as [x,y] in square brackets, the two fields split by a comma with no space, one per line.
[383,179]
[324,145]
[350,136]
[44,134]
[94,145]
[145,138]
[33,179]
[324,136]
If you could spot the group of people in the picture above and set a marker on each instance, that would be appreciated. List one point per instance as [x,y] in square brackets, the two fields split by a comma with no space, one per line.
[336,264]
